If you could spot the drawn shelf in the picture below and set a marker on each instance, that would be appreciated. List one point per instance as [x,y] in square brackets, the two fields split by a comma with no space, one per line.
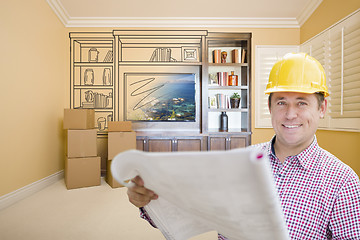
[92,75]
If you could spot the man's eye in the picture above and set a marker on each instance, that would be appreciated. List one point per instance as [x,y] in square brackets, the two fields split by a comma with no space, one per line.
[302,103]
[280,103]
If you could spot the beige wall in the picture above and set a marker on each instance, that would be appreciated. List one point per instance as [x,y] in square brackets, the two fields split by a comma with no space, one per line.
[36,78]
[35,83]
[328,13]
[34,74]
[344,145]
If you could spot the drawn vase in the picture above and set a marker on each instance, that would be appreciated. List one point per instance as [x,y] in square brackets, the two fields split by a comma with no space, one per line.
[107,81]
[101,122]
[89,77]
[93,55]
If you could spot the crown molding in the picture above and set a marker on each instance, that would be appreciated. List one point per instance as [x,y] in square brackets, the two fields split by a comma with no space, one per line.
[59,10]
[183,22]
[309,9]
[224,22]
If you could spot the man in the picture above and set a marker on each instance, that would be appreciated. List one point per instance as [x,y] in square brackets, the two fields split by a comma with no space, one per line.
[319,194]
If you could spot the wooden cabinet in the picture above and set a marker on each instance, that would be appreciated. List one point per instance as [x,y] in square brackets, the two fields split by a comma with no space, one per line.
[223,142]
[169,144]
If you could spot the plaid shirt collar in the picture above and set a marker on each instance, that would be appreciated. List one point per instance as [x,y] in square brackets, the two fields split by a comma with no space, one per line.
[304,158]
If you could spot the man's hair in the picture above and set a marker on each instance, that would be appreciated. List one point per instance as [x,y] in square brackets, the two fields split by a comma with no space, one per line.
[319,95]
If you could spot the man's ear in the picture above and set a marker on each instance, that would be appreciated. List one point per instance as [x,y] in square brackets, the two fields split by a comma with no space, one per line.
[323,108]
[269,105]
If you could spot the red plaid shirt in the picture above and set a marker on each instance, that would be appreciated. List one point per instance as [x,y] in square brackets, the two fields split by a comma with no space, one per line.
[319,194]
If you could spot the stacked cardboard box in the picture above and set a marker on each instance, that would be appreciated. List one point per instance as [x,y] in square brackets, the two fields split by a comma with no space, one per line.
[82,165]
[120,138]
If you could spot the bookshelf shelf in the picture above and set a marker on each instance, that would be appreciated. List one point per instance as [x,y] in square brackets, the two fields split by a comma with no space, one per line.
[227,48]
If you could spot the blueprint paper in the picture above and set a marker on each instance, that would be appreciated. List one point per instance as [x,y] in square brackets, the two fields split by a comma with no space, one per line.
[231,192]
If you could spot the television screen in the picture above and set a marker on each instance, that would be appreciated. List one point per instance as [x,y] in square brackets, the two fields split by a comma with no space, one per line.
[160,97]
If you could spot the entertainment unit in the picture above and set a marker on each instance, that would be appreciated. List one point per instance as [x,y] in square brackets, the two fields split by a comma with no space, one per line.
[172,84]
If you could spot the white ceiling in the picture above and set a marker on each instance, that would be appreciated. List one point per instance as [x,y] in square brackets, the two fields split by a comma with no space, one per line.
[184,13]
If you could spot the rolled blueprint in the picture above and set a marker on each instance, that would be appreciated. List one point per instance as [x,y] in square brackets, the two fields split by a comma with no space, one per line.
[231,192]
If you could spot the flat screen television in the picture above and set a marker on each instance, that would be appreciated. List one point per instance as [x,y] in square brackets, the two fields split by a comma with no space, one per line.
[165,99]
[160,97]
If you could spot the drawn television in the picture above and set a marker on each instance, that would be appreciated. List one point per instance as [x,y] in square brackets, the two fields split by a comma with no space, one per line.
[160,97]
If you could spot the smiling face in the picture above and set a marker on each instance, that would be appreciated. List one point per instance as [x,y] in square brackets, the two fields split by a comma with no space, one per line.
[295,118]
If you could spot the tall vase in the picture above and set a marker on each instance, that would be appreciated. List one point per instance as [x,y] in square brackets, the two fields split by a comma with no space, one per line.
[223,122]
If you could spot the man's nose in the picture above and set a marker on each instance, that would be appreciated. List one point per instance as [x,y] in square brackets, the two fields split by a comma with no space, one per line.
[291,112]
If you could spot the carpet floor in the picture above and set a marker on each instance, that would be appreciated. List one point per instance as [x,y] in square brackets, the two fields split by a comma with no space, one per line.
[93,213]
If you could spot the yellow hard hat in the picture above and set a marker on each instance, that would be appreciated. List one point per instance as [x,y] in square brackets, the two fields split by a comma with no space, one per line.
[297,72]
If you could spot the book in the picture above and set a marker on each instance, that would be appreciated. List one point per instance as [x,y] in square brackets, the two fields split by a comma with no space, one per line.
[236,55]
[222,101]
[217,56]
[212,102]
[243,56]
[213,79]
[231,192]
[223,78]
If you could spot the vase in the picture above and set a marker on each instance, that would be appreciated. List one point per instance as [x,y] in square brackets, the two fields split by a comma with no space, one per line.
[235,102]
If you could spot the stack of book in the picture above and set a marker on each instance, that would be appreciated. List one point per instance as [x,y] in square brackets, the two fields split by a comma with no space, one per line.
[217,56]
[223,78]
[219,101]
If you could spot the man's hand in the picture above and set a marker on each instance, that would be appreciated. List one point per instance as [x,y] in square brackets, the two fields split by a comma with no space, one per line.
[139,195]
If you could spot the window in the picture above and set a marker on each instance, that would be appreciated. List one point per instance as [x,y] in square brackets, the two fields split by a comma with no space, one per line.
[266,57]
[338,50]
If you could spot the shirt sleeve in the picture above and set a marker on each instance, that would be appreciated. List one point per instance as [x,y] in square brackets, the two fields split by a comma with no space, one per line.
[145,215]
[345,219]
[221,237]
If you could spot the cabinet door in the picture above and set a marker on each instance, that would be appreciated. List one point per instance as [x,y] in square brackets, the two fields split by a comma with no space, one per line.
[160,145]
[217,143]
[237,142]
[189,144]
[226,143]
[141,144]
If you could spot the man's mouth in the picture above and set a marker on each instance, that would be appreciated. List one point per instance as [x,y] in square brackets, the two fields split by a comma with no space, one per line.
[292,126]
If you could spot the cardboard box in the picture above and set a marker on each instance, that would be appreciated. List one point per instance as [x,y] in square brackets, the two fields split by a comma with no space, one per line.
[119,142]
[82,172]
[119,126]
[81,143]
[79,118]
[109,178]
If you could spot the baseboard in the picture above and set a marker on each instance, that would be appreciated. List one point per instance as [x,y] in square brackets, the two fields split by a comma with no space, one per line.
[24,192]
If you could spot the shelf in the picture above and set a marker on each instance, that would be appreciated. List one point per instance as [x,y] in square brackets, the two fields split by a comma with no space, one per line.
[228,110]
[233,130]
[161,63]
[216,87]
[228,64]
[93,87]
[107,109]
[93,64]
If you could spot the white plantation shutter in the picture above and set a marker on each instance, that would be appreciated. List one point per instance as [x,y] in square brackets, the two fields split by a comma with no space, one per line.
[319,49]
[266,57]
[344,42]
